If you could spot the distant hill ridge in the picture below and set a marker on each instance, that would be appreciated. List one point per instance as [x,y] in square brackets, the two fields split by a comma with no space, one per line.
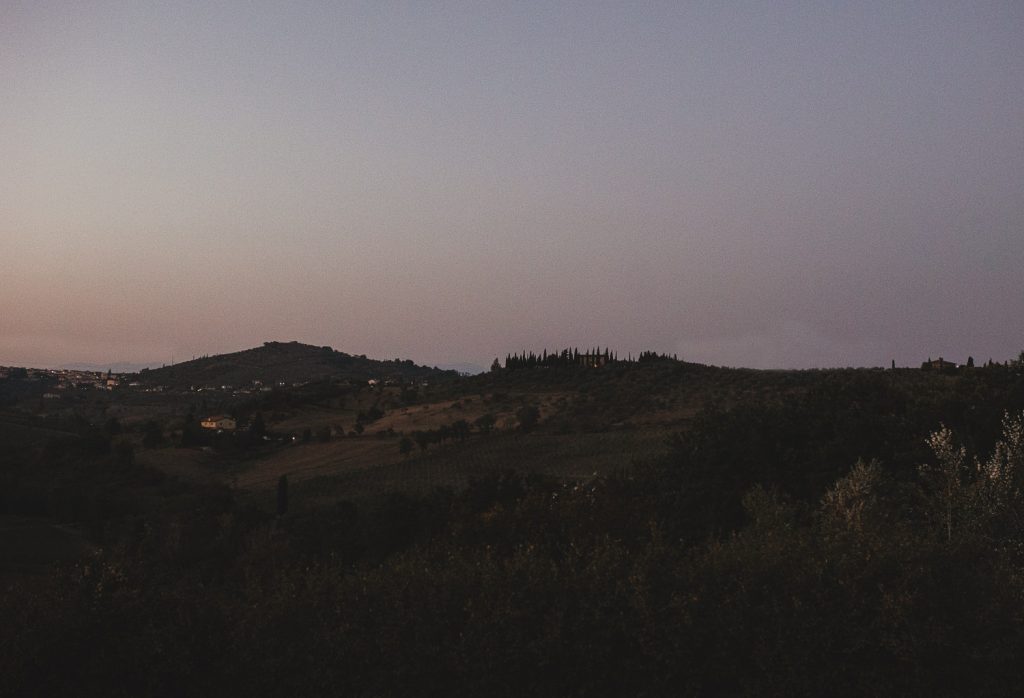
[284,362]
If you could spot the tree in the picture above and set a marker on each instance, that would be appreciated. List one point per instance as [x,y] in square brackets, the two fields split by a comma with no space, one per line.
[460,429]
[125,452]
[975,496]
[496,365]
[944,482]
[282,495]
[152,435]
[484,423]
[846,505]
[259,428]
[192,431]
[970,362]
[528,416]
[405,446]
[999,479]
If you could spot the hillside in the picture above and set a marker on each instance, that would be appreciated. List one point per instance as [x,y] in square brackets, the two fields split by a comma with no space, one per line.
[284,362]
[644,528]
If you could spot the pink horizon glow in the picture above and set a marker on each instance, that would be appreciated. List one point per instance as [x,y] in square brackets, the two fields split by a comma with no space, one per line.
[791,186]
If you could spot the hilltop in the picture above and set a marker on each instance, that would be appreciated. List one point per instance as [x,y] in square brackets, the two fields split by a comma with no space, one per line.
[285,362]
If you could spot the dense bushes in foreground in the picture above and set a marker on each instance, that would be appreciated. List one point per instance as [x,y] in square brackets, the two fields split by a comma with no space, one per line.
[525,586]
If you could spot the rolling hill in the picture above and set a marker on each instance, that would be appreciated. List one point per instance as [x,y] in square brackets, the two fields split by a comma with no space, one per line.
[285,362]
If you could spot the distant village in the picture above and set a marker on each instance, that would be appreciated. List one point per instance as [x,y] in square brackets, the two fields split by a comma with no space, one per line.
[63,380]
[59,381]
[59,386]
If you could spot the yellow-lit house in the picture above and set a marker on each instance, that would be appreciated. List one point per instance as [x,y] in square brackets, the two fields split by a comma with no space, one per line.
[219,421]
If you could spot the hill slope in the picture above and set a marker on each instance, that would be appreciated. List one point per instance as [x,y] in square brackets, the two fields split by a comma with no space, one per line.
[287,362]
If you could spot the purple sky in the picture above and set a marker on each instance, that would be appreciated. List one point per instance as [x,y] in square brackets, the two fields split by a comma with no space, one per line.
[763,184]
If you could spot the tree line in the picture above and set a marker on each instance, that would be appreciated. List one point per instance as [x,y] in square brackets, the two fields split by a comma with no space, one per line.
[570,357]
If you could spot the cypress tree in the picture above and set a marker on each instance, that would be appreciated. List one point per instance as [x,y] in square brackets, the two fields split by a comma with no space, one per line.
[282,495]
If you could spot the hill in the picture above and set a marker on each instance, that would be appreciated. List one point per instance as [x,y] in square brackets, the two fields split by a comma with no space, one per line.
[285,362]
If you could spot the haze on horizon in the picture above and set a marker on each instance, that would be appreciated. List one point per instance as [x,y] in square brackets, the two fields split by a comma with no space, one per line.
[791,185]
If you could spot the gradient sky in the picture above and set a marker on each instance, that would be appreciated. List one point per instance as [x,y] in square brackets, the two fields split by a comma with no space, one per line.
[747,184]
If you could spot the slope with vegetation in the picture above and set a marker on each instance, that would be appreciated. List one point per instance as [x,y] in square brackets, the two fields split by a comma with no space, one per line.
[846,532]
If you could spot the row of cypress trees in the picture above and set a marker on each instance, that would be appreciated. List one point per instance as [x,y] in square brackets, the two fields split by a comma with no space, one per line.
[572,357]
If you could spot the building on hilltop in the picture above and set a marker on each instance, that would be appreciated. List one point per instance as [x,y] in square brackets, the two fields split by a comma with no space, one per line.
[938,365]
[594,360]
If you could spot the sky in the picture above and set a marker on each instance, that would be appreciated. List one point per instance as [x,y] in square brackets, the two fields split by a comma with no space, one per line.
[772,185]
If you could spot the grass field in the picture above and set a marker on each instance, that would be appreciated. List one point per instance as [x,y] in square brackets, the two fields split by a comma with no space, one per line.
[570,456]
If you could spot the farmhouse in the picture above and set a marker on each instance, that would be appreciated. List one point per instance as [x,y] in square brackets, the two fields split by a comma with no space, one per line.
[938,364]
[219,421]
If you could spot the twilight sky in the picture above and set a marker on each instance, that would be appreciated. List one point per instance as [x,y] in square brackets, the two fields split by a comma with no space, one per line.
[750,184]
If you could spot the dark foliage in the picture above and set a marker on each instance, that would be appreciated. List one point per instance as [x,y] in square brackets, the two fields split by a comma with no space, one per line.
[827,538]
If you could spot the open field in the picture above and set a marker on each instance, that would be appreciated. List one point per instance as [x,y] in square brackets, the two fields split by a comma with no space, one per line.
[355,467]
[305,461]
[569,456]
